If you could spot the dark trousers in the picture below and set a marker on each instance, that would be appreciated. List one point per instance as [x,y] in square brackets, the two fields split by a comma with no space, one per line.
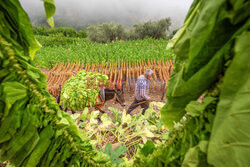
[134,105]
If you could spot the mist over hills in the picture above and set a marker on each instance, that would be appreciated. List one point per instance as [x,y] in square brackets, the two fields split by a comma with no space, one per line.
[81,13]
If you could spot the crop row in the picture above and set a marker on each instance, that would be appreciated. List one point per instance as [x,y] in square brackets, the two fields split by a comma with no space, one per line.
[118,74]
[69,50]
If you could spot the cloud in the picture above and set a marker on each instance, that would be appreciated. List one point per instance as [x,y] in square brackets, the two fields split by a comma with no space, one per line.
[126,12]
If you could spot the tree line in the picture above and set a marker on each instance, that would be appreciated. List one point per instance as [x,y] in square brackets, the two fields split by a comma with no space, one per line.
[59,31]
[108,32]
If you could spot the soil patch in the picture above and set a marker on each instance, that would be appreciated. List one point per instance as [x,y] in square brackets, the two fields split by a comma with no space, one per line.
[129,98]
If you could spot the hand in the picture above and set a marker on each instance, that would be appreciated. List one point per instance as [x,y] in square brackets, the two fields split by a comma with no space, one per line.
[149,100]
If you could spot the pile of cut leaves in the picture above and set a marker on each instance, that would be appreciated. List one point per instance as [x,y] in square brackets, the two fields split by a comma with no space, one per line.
[82,90]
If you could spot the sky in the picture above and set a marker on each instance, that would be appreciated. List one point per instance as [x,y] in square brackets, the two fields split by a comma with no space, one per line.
[126,12]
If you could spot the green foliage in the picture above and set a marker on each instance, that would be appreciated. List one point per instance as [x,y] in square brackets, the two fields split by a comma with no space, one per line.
[59,32]
[108,32]
[82,34]
[82,90]
[183,138]
[65,49]
[153,29]
[212,51]
[201,56]
[148,148]
[115,154]
[172,34]
[230,133]
[57,41]
[196,156]
[33,130]
[212,48]
[140,125]
[49,6]
[12,7]
[126,130]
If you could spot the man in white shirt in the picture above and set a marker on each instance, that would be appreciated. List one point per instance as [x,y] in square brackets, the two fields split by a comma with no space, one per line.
[141,92]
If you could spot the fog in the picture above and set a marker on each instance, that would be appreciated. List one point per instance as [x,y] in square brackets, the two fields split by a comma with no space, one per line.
[125,12]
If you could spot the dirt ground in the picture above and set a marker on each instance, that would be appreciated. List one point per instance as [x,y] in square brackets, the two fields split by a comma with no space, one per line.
[129,98]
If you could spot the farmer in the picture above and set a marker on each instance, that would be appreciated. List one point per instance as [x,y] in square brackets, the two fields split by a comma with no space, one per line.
[141,92]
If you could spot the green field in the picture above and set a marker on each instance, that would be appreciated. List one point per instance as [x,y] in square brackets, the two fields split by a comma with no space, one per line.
[68,49]
[203,123]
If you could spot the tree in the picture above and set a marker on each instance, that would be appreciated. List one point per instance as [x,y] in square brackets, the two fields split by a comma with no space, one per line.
[154,29]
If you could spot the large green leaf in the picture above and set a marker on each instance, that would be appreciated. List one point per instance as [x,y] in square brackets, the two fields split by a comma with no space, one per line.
[201,46]
[49,6]
[14,91]
[195,156]
[30,140]
[195,108]
[148,148]
[114,154]
[19,26]
[230,139]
